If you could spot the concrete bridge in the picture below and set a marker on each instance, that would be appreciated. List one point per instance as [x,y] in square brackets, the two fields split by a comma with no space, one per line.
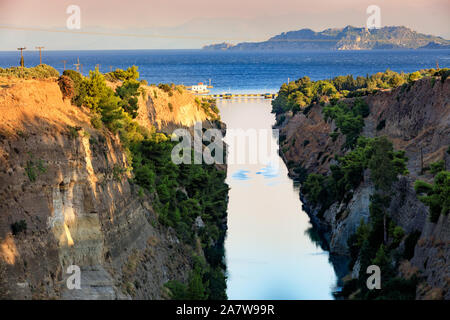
[241,95]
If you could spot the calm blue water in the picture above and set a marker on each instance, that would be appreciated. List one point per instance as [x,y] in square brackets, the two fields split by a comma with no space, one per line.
[238,71]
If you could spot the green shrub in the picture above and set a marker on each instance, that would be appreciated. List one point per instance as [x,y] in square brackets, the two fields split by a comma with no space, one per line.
[314,187]
[128,93]
[123,75]
[437,167]
[118,172]
[73,132]
[334,135]
[33,167]
[436,196]
[177,290]
[96,121]
[97,92]
[423,187]
[443,73]
[383,171]
[31,173]
[356,240]
[165,87]
[348,120]
[360,107]
[414,76]
[41,71]
[76,77]
[397,234]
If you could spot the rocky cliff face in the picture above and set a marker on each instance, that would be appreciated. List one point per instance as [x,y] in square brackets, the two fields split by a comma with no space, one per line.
[416,118]
[167,110]
[69,183]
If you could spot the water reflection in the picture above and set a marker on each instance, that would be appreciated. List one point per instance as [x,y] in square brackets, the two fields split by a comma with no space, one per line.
[268,172]
[241,175]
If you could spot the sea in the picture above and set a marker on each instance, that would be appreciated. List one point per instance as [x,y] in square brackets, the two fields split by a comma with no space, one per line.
[236,71]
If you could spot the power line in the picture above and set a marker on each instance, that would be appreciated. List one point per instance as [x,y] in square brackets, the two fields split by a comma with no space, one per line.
[21,56]
[138,35]
[40,54]
[77,65]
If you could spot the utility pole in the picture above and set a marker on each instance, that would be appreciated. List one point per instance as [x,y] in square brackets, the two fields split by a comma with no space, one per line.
[437,65]
[77,65]
[97,66]
[21,56]
[40,54]
[289,91]
[64,62]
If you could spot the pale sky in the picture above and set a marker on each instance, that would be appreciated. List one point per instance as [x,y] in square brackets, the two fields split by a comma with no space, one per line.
[193,23]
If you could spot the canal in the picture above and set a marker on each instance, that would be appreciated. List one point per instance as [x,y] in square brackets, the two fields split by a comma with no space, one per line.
[269,251]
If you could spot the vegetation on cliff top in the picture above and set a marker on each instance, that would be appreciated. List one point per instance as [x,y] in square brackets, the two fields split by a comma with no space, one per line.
[41,71]
[298,95]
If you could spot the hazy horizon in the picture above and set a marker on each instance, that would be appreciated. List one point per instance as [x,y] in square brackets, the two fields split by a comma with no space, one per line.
[137,24]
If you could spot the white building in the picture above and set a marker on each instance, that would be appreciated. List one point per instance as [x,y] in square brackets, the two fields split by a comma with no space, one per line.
[200,88]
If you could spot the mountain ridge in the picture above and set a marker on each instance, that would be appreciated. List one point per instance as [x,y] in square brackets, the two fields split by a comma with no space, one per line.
[347,38]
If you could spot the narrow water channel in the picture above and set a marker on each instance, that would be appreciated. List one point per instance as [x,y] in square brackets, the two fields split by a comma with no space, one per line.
[269,252]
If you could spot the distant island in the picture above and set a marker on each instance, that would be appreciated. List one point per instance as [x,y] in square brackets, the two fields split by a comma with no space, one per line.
[348,38]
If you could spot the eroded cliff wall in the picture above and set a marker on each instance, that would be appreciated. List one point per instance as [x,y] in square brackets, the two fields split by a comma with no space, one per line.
[416,118]
[69,183]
